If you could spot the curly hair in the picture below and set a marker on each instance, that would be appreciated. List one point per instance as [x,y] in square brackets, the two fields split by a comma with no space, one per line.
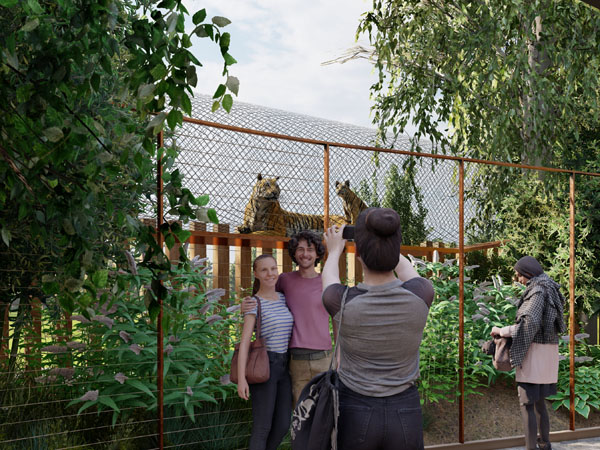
[310,237]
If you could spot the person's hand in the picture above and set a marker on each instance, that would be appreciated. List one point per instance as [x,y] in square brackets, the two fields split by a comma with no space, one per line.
[248,304]
[243,389]
[495,331]
[334,240]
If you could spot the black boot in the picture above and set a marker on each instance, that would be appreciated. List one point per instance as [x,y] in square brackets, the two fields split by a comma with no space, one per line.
[543,445]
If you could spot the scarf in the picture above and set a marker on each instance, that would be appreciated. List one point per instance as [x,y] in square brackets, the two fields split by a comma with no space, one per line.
[539,317]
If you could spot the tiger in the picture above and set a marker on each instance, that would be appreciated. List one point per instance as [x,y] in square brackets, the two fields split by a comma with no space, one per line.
[264,214]
[353,204]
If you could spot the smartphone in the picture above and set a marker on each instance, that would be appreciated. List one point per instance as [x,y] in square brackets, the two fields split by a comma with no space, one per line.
[348,232]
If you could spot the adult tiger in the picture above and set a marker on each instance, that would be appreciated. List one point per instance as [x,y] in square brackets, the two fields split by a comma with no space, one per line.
[264,214]
[353,205]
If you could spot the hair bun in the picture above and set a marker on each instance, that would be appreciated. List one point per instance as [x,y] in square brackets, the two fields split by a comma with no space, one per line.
[382,221]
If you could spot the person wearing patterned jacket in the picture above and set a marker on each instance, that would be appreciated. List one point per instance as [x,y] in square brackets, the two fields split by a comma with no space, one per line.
[534,350]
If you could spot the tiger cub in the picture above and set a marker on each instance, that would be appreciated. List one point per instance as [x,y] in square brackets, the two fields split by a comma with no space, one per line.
[264,214]
[353,204]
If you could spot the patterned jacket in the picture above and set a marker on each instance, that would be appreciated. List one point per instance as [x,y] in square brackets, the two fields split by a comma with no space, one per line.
[539,317]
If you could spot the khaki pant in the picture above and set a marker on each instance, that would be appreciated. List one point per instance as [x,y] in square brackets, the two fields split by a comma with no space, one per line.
[303,370]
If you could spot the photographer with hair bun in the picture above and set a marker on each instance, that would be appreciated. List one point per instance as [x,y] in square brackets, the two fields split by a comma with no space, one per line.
[379,337]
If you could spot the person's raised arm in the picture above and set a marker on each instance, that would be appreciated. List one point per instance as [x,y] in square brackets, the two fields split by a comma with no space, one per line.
[243,388]
[405,270]
[335,247]
[248,304]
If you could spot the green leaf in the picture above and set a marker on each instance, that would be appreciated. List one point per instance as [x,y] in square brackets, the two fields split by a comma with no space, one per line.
[140,386]
[100,278]
[9,3]
[227,102]
[202,200]
[95,82]
[157,122]
[225,40]
[199,17]
[174,118]
[30,25]
[186,104]
[54,134]
[108,402]
[221,21]
[86,405]
[233,84]
[6,236]
[212,215]
[220,91]
[229,60]
[215,106]
[35,6]
[159,71]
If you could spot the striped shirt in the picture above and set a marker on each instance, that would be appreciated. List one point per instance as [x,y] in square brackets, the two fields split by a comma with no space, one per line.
[277,323]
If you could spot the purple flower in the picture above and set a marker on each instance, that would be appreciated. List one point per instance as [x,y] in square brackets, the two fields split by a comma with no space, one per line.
[104,320]
[104,308]
[197,261]
[583,359]
[561,357]
[565,338]
[234,308]
[173,339]
[477,317]
[125,336]
[484,310]
[45,379]
[204,309]
[90,396]
[189,391]
[55,349]
[135,348]
[225,379]
[131,262]
[80,318]
[168,349]
[214,318]
[74,345]
[121,377]
[65,372]
[581,336]
[214,294]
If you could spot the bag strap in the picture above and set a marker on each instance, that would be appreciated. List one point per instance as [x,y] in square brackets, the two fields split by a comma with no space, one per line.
[337,335]
[258,317]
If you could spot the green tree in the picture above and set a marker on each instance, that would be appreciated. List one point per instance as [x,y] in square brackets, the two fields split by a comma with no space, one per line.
[405,197]
[86,86]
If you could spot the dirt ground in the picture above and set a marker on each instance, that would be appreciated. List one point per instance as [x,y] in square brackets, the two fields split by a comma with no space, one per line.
[491,415]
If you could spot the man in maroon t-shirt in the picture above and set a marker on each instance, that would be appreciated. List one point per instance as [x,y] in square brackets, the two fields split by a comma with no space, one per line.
[310,344]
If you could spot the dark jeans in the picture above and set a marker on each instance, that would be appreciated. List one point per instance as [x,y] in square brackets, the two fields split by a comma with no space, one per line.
[271,405]
[535,415]
[380,423]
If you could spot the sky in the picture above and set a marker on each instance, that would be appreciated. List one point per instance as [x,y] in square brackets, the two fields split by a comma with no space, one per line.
[280,46]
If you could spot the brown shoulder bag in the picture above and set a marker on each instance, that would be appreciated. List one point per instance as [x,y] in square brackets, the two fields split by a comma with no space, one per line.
[257,365]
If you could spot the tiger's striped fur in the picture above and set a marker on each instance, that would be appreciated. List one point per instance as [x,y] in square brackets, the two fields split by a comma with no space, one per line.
[264,214]
[353,204]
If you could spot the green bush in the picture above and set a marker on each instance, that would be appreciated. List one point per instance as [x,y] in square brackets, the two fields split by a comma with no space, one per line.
[486,305]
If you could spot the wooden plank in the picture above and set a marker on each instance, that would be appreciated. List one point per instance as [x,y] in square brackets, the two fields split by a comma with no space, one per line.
[221,261]
[199,248]
[243,269]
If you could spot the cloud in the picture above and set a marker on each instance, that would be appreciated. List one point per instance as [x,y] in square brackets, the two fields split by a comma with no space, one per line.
[280,46]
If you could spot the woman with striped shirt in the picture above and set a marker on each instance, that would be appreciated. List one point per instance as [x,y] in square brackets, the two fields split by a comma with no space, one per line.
[271,400]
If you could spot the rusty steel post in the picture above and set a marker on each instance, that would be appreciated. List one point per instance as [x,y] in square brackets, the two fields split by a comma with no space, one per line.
[159,334]
[572,301]
[326,187]
[461,300]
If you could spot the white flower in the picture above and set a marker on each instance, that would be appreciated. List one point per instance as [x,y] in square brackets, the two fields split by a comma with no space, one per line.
[168,349]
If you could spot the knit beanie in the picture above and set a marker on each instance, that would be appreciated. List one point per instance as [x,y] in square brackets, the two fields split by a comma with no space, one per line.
[529,267]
